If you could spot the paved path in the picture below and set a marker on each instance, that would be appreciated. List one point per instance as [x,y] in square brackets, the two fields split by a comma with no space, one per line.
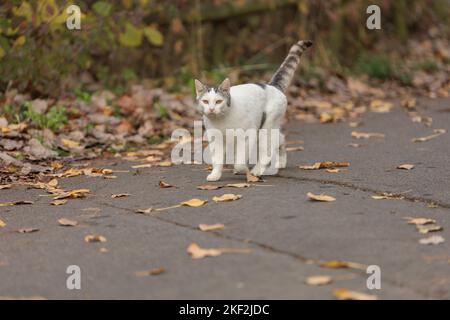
[289,236]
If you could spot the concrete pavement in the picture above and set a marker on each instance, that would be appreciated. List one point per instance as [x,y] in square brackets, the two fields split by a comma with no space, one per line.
[289,235]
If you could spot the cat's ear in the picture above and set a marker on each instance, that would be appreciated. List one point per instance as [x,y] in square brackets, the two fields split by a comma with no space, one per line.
[225,85]
[200,88]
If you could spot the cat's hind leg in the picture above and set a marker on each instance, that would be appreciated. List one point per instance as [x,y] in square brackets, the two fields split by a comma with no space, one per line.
[281,160]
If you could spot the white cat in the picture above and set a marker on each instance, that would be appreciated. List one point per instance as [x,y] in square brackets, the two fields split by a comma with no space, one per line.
[248,106]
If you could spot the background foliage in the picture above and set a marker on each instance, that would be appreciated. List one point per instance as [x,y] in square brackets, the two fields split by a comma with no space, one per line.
[122,41]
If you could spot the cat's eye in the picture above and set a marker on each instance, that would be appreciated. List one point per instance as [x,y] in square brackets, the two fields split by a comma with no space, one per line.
[205,101]
[219,101]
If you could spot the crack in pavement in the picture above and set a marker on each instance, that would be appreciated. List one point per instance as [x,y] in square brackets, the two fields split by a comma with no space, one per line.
[349,185]
[359,269]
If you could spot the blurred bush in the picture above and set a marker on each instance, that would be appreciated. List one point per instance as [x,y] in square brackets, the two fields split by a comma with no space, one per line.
[122,41]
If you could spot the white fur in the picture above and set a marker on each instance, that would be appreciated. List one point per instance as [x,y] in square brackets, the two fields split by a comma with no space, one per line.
[248,103]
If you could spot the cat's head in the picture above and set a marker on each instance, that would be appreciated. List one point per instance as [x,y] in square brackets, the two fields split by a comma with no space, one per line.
[213,101]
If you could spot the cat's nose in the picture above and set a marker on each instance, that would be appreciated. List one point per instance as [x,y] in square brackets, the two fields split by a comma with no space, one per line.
[211,110]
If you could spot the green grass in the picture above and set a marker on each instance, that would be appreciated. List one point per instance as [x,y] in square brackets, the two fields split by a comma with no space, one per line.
[54,119]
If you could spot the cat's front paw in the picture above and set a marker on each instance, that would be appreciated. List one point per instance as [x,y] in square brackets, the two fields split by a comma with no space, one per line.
[214,176]
[257,171]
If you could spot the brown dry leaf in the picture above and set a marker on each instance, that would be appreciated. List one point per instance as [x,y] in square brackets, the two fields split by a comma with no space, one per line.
[71,144]
[72,194]
[420,221]
[366,135]
[5,186]
[437,133]
[293,149]
[428,228]
[210,227]
[325,165]
[58,202]
[406,166]
[252,178]
[380,106]
[336,264]
[386,196]
[94,238]
[163,184]
[151,272]
[432,240]
[120,195]
[15,203]
[198,253]
[194,202]
[145,211]
[67,222]
[209,187]
[227,197]
[344,294]
[238,185]
[2,223]
[72,172]
[320,197]
[318,280]
[27,230]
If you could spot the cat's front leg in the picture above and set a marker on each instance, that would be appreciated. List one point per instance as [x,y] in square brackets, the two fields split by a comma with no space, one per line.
[217,158]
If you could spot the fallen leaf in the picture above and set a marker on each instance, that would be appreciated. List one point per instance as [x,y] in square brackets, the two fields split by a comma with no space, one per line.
[209,187]
[210,227]
[145,211]
[344,294]
[163,184]
[194,202]
[355,145]
[333,170]
[428,228]
[198,253]
[406,166]
[148,165]
[420,221]
[366,135]
[15,203]
[2,223]
[336,264]
[432,240]
[252,178]
[437,133]
[380,106]
[164,164]
[94,238]
[320,197]
[67,222]
[5,186]
[58,202]
[386,196]
[72,194]
[27,230]
[325,165]
[120,195]
[151,272]
[318,280]
[238,185]
[292,149]
[227,197]
[70,143]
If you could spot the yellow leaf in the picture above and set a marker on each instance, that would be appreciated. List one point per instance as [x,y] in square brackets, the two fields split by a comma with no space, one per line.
[209,187]
[20,41]
[48,10]
[406,166]
[318,280]
[59,202]
[227,197]
[252,178]
[366,135]
[154,36]
[2,224]
[151,272]
[344,294]
[320,197]
[238,185]
[198,253]
[194,202]
[24,10]
[73,194]
[210,227]
[420,221]
[70,143]
[94,238]
[131,37]
[67,222]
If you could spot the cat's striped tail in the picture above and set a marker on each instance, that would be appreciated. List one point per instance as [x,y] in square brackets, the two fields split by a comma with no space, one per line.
[283,76]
